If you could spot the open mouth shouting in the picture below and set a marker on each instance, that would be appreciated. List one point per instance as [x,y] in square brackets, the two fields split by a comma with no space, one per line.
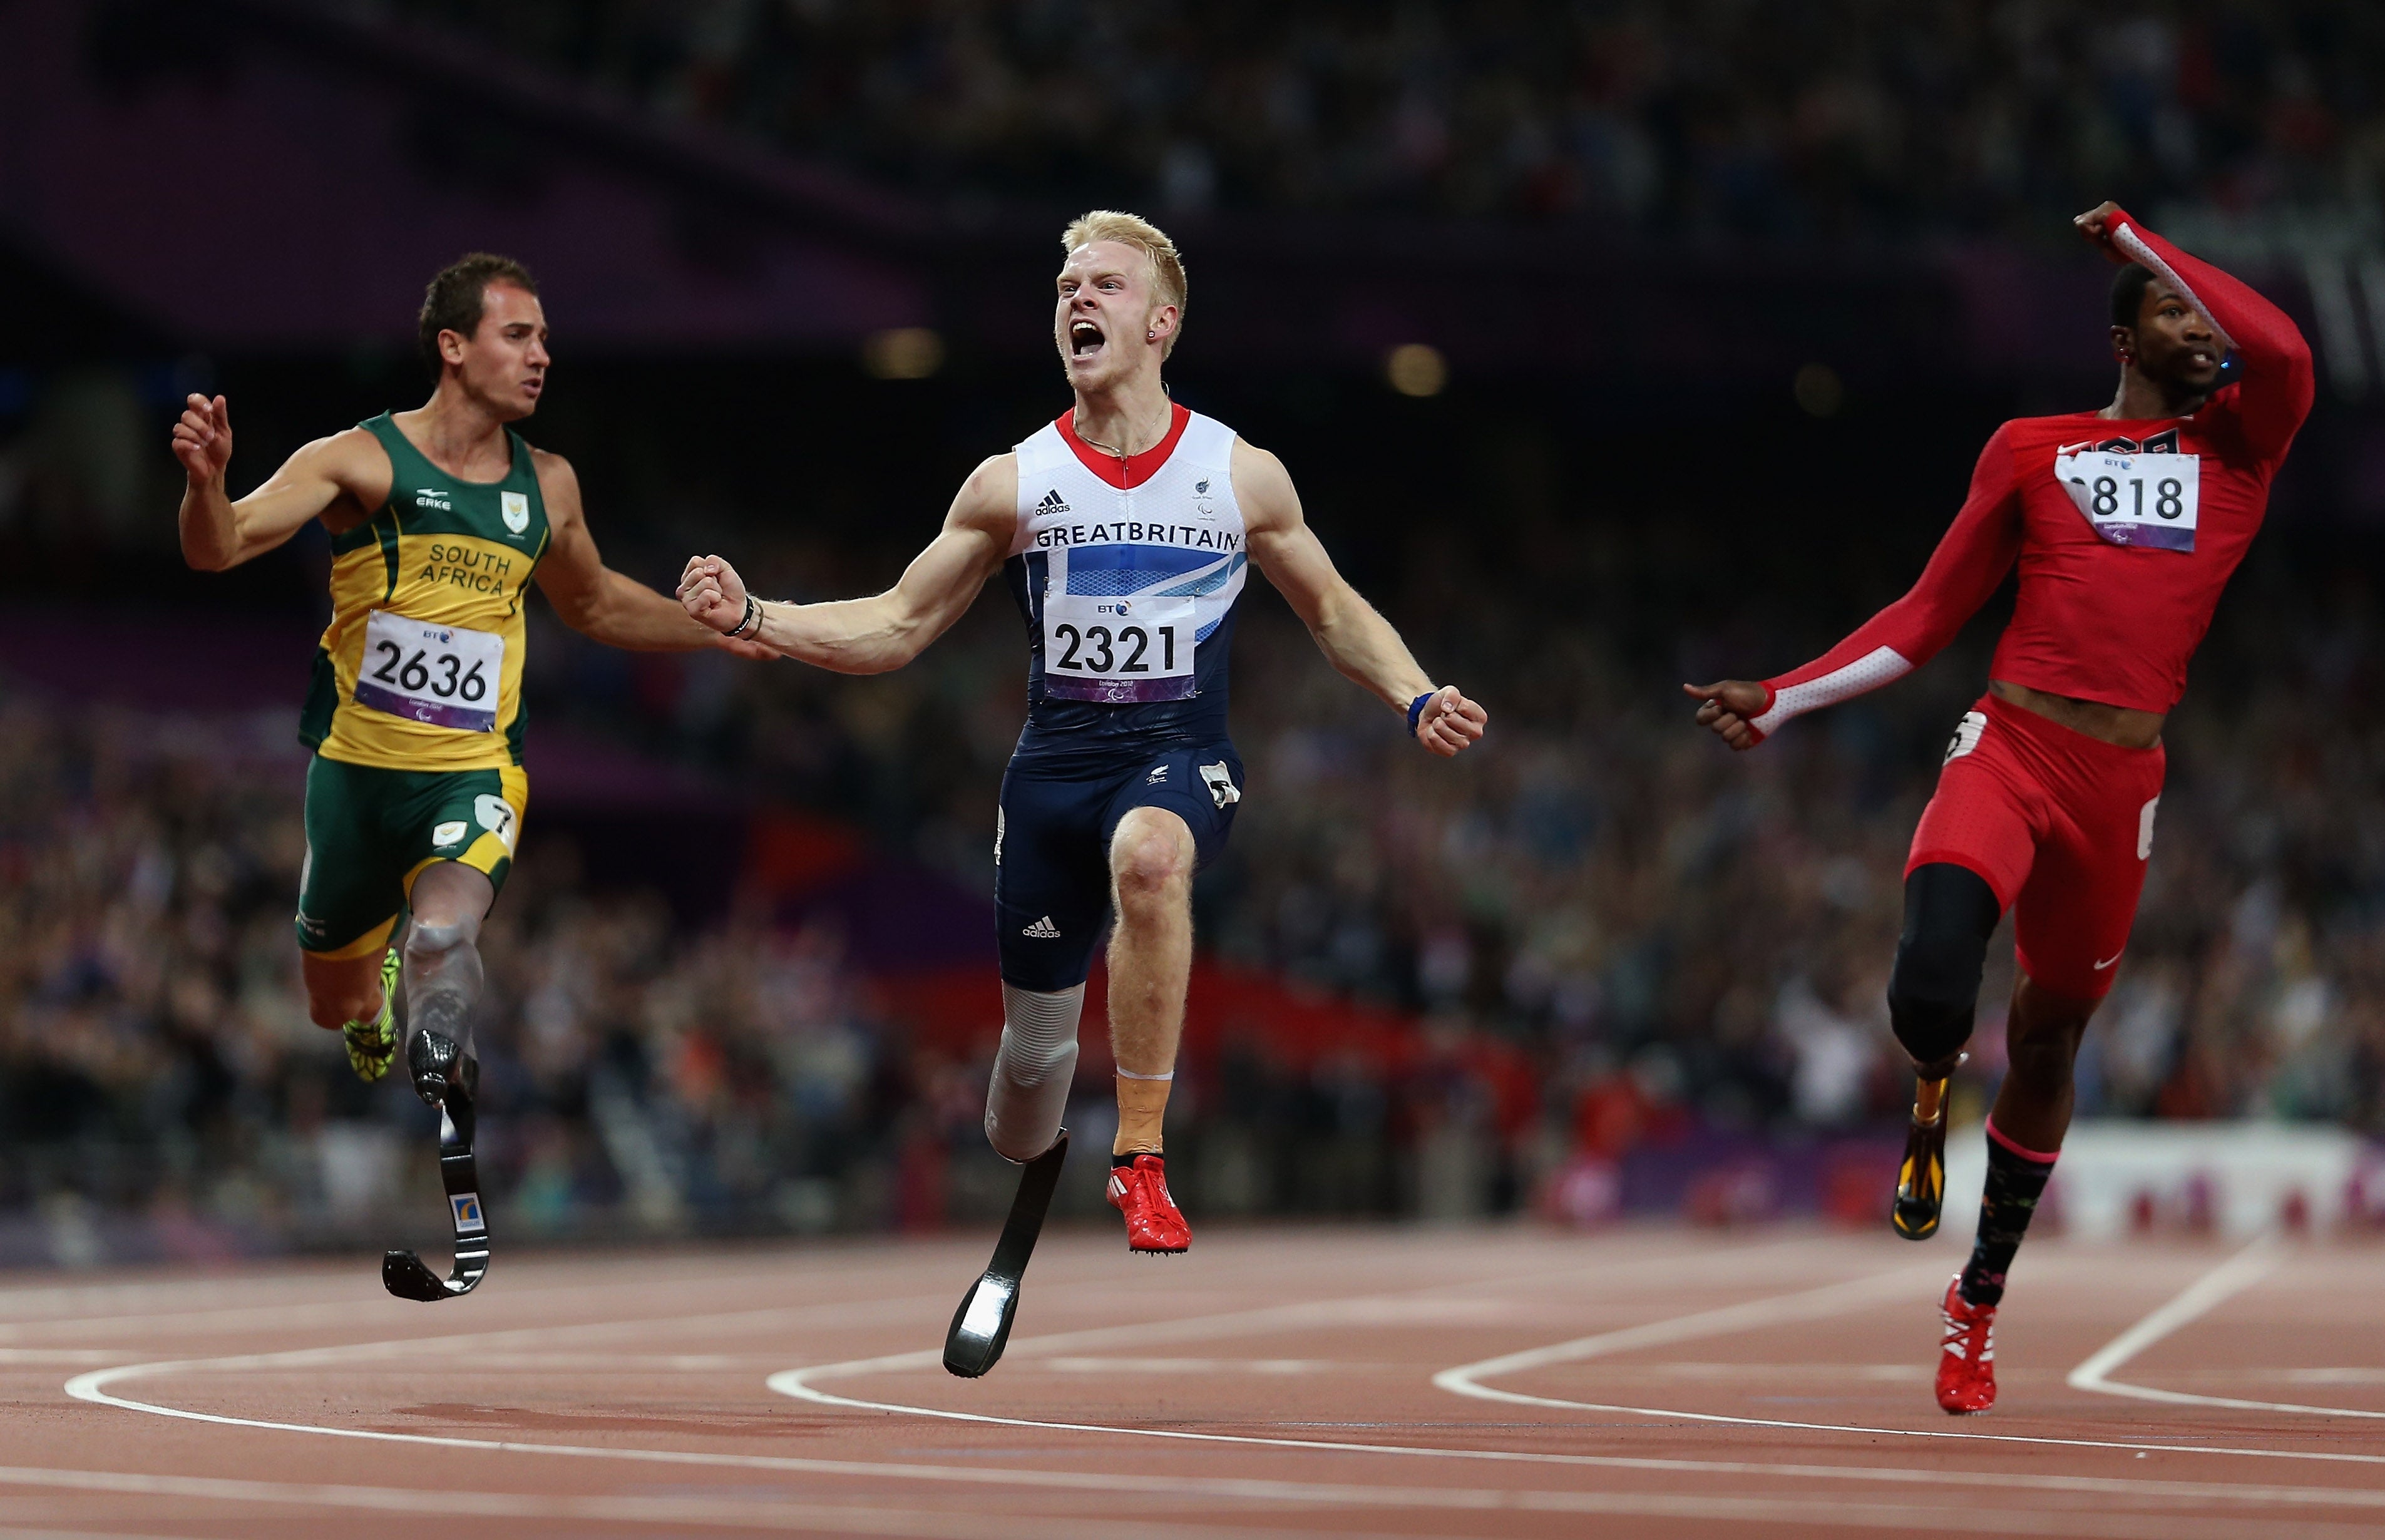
[1085,338]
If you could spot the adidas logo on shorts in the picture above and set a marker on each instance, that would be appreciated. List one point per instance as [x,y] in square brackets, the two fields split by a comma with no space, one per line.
[1043,930]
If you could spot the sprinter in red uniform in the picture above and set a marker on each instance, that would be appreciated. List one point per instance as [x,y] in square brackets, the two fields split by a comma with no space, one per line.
[2126,524]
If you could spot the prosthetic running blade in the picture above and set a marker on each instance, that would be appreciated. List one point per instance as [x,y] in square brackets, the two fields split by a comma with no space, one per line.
[1921,1179]
[981,1326]
[402,1273]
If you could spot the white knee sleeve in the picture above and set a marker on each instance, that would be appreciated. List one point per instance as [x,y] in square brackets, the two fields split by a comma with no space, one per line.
[1032,1069]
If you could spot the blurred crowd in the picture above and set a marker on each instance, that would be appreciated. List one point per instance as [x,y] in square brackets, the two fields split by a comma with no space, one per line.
[1718,116]
[155,1049]
[1670,930]
[1681,945]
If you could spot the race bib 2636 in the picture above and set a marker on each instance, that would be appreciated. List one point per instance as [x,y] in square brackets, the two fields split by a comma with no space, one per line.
[446,676]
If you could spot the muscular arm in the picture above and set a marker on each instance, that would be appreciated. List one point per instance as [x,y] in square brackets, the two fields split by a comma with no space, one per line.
[592,598]
[885,631]
[1977,549]
[2277,386]
[219,533]
[1354,637]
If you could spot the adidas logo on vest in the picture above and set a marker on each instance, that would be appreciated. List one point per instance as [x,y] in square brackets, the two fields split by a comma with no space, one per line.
[1043,930]
[1051,503]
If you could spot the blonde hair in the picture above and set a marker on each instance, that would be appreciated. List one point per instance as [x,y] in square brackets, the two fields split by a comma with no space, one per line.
[1132,230]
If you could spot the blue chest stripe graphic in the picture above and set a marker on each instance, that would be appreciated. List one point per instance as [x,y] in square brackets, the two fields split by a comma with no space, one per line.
[1114,571]
[1207,582]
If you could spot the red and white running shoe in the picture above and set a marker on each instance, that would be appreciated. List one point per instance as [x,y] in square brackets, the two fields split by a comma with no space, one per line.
[1967,1369]
[1153,1224]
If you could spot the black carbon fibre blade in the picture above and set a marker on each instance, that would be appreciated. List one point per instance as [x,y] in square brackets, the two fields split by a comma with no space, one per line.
[981,1326]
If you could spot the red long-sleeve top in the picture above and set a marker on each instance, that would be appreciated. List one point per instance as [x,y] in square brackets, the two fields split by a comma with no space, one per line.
[2109,611]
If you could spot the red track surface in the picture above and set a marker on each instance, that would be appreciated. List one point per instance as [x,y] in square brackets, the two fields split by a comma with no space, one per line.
[1294,1371]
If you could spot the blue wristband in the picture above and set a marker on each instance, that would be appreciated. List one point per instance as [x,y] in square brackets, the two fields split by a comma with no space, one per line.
[1416,709]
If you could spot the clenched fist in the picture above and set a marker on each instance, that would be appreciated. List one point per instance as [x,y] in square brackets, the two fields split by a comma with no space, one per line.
[1729,708]
[713,594]
[1449,722]
[2096,225]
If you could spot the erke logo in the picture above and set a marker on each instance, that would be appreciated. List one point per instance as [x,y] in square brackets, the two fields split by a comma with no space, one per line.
[432,497]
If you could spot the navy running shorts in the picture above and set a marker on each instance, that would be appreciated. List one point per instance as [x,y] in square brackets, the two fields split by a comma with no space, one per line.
[1052,841]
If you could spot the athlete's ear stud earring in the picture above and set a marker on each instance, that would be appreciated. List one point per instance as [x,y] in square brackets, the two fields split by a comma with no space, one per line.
[1151,336]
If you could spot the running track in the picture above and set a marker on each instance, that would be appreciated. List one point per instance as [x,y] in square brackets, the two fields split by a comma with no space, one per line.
[1361,1382]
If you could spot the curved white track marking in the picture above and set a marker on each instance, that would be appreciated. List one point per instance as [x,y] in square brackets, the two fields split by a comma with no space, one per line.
[2206,1294]
[797,1382]
[94,1388]
[1811,1305]
[771,1512]
[124,1299]
[1465,1380]
[1141,1487]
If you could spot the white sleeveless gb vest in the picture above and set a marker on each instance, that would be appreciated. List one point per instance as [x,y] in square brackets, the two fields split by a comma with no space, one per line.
[1128,568]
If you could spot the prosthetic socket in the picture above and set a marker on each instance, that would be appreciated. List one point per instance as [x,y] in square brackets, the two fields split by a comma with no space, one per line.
[1032,1069]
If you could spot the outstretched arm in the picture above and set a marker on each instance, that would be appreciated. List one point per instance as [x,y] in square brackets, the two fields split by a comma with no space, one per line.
[219,533]
[1976,553]
[2277,386]
[1354,639]
[594,599]
[885,631]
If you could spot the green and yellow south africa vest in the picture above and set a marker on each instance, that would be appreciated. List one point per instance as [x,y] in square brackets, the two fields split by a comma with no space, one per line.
[421,667]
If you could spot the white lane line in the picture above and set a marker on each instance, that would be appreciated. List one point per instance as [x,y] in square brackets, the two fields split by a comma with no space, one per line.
[68,1355]
[1146,1367]
[1807,1304]
[2206,1294]
[311,1306]
[1465,1379]
[1800,1373]
[1382,1309]
[93,1387]
[779,1512]
[1810,1305]
[773,1511]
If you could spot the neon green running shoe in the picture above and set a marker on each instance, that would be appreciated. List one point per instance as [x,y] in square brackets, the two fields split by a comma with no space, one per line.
[372,1045]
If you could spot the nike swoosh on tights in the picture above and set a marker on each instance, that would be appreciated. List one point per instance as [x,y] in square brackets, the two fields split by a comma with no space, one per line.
[2109,961]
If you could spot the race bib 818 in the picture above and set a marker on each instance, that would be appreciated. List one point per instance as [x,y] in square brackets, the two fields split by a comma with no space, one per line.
[2135,499]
